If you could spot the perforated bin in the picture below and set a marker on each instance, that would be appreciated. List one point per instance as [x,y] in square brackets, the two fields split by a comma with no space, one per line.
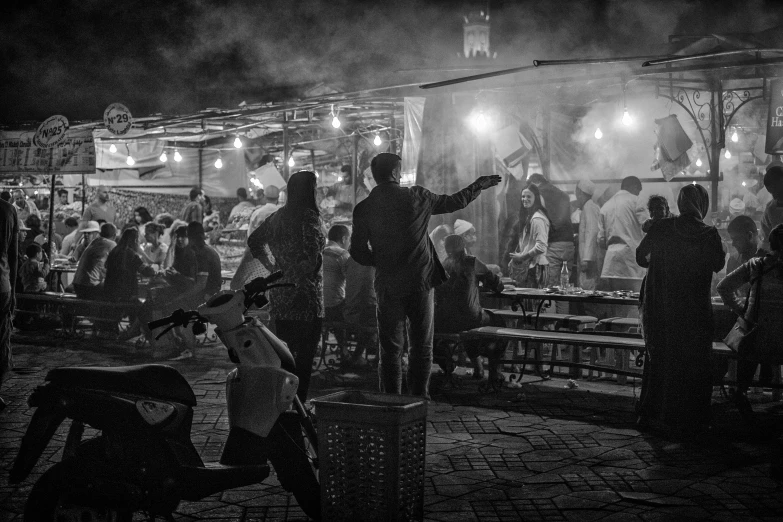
[371,447]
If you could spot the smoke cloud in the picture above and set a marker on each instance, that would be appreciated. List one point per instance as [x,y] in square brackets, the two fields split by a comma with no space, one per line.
[180,56]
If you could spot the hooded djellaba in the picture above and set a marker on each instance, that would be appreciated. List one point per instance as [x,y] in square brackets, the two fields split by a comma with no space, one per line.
[681,254]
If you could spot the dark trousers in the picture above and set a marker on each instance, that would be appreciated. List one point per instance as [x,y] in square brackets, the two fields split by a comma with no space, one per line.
[5,335]
[747,369]
[419,309]
[302,338]
[94,293]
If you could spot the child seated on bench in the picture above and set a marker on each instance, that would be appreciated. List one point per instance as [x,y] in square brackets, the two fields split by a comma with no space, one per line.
[34,270]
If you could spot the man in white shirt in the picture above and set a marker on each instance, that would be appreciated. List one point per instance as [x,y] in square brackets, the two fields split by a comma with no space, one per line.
[620,232]
[72,232]
[24,207]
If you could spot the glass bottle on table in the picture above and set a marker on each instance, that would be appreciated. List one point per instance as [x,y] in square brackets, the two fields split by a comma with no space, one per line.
[565,282]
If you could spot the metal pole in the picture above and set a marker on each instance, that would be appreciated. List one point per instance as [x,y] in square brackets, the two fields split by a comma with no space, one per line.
[51,217]
[354,167]
[312,159]
[393,134]
[286,150]
[84,193]
[200,167]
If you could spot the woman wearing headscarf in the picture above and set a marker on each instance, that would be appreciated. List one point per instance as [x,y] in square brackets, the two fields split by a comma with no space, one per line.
[295,239]
[528,264]
[457,306]
[681,254]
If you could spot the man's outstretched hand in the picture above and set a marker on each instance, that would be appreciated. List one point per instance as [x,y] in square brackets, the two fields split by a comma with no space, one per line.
[486,182]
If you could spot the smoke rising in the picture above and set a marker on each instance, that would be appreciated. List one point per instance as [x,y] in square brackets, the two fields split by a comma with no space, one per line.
[180,56]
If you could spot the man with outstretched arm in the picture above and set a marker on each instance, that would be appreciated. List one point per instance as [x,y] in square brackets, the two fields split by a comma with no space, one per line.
[390,233]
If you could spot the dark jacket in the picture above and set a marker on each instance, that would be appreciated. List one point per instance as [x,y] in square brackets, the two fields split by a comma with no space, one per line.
[558,208]
[390,233]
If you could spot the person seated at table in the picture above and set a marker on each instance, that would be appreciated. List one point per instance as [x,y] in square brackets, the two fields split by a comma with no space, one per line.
[211,222]
[467,231]
[123,265]
[528,264]
[89,231]
[361,308]
[154,250]
[71,236]
[179,238]
[34,270]
[335,270]
[208,276]
[457,306]
[33,224]
[141,216]
[91,270]
[43,237]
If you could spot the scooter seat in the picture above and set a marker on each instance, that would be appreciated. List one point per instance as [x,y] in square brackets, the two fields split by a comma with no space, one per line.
[155,381]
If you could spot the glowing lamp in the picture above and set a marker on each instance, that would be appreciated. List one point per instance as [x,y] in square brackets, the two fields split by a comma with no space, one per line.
[237,143]
[743,183]
[735,137]
[598,134]
[130,161]
[336,122]
[112,148]
[339,178]
[627,120]
[218,163]
[177,156]
[377,141]
[291,162]
[163,157]
[698,162]
[728,154]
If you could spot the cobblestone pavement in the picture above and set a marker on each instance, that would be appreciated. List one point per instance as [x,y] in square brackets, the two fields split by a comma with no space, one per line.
[538,452]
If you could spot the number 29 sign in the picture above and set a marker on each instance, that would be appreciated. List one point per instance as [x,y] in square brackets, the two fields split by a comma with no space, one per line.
[118,119]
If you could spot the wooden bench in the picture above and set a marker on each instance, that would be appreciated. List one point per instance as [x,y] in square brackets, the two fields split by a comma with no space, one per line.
[585,339]
[73,311]
[622,325]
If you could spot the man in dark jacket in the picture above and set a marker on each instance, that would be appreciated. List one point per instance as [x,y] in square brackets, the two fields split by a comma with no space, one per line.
[560,248]
[390,233]
[9,259]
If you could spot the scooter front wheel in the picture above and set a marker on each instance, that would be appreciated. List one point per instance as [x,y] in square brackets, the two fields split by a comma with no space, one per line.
[294,458]
[59,495]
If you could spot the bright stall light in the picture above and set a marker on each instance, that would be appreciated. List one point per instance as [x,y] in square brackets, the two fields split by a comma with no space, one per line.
[336,122]
[163,157]
[339,178]
[728,154]
[698,162]
[735,137]
[112,148]
[130,161]
[694,182]
[177,156]
[743,183]
[218,163]
[377,141]
[291,161]
[480,121]
[598,134]
[238,143]
[627,120]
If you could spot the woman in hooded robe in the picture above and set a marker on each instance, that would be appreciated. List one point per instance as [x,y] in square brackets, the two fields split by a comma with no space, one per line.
[294,237]
[681,254]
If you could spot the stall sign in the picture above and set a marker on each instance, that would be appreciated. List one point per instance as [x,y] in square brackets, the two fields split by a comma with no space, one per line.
[20,153]
[51,132]
[774,143]
[118,119]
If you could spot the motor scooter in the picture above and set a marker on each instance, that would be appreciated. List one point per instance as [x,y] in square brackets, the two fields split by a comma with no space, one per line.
[143,460]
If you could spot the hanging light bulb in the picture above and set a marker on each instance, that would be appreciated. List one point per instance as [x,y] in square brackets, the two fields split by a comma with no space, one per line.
[735,136]
[112,148]
[237,143]
[694,182]
[698,162]
[291,161]
[377,140]
[743,183]
[336,122]
[219,163]
[728,154]
[598,134]
[163,157]
[130,161]
[177,156]
[627,120]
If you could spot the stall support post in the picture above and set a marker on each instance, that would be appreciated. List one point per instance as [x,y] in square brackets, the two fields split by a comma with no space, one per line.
[546,123]
[393,134]
[200,166]
[84,193]
[716,143]
[51,217]
[354,166]
[286,149]
[312,159]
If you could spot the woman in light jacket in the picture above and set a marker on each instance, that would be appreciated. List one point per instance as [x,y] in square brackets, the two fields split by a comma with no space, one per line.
[528,264]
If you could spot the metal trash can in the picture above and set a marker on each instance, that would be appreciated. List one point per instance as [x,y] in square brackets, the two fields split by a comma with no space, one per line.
[371,448]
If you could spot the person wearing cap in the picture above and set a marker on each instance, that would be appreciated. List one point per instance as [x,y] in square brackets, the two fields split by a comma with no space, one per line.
[390,233]
[457,306]
[467,232]
[91,271]
[438,237]
[86,235]
[773,213]
[9,265]
[736,207]
[591,256]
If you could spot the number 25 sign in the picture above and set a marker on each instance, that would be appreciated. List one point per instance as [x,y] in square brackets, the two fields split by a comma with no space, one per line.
[51,132]
[118,119]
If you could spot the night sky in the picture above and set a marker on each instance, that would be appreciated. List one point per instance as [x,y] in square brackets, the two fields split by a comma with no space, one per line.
[178,56]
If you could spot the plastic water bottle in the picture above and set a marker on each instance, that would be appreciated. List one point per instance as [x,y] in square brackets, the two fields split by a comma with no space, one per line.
[564,278]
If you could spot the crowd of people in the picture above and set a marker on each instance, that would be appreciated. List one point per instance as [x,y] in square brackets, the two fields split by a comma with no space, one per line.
[397,284]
